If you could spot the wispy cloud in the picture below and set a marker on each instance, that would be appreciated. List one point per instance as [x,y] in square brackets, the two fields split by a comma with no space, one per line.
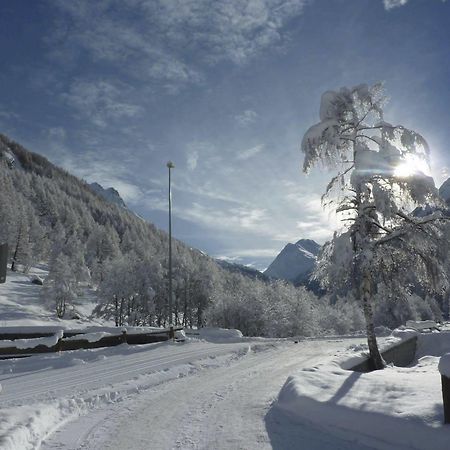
[55,134]
[389,4]
[249,152]
[101,101]
[169,40]
[246,118]
[192,159]
[108,173]
[8,114]
[232,219]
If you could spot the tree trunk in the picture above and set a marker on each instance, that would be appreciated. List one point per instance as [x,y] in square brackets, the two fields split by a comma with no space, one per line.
[362,230]
[375,359]
[16,250]
[185,304]
[116,310]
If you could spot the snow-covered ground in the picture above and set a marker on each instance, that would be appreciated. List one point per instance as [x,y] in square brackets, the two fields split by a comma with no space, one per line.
[217,390]
[219,403]
[21,304]
[195,395]
[396,408]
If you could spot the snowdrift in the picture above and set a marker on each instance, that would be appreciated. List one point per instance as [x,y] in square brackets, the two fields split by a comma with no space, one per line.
[399,407]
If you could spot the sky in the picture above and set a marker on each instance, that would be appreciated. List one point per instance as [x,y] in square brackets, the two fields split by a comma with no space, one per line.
[112,89]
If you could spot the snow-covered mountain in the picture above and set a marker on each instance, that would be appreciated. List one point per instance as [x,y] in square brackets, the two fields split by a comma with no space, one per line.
[110,194]
[444,191]
[295,262]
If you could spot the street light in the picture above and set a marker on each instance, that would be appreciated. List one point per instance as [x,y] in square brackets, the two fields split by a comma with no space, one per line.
[170,165]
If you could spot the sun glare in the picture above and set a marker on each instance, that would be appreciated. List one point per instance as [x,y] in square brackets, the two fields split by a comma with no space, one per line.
[410,166]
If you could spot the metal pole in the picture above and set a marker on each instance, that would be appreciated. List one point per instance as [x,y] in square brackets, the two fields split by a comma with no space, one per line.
[170,166]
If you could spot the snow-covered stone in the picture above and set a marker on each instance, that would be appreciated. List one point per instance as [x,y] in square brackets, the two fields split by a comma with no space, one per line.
[444,365]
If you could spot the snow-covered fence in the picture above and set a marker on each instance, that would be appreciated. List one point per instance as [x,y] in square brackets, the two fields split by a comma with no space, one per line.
[76,340]
[421,325]
[401,355]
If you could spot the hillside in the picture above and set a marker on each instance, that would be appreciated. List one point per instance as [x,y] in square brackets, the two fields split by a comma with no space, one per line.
[49,216]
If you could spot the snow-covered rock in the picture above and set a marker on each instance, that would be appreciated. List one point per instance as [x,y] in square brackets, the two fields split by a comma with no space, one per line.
[444,365]
[7,154]
[295,262]
[110,194]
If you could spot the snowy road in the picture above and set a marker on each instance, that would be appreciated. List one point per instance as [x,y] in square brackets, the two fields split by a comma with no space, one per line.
[119,365]
[221,406]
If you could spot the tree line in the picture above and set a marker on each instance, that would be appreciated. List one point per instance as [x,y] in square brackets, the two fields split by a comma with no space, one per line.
[50,216]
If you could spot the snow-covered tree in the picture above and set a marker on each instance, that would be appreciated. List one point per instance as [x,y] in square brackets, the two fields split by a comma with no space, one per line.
[381,173]
[60,286]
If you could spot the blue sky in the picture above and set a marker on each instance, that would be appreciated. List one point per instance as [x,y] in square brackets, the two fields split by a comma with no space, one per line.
[113,89]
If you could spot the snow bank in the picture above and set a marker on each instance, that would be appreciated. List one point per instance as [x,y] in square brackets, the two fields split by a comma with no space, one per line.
[215,334]
[444,365]
[115,330]
[391,408]
[90,337]
[49,341]
[434,344]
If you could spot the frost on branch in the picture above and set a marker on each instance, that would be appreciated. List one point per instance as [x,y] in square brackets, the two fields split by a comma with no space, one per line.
[353,138]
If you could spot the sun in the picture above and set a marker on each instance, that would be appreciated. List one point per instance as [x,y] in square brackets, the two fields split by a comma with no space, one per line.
[411,165]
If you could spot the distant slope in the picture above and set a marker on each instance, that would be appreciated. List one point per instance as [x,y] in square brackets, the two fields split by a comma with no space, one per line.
[48,215]
[295,262]
[243,270]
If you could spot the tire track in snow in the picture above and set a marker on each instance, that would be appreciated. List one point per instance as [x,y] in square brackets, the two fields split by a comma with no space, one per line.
[98,373]
[218,408]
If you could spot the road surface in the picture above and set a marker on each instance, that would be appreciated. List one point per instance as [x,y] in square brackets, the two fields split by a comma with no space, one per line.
[227,406]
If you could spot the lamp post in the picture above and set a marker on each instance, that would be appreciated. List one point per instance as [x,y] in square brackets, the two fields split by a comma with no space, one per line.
[170,166]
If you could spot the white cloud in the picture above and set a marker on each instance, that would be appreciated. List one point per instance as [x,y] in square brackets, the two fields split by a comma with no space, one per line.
[170,41]
[101,101]
[8,114]
[246,118]
[192,160]
[57,134]
[389,4]
[108,173]
[249,153]
[251,253]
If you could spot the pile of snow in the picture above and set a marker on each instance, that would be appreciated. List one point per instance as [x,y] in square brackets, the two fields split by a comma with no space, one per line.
[215,334]
[49,341]
[391,408]
[90,337]
[444,365]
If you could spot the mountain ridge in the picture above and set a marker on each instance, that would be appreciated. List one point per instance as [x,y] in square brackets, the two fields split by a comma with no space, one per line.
[295,262]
